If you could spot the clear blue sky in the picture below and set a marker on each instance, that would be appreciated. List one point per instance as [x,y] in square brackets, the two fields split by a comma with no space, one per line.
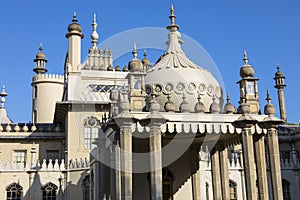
[269,30]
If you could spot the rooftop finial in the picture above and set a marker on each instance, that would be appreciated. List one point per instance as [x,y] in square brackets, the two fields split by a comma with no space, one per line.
[41,47]
[3,94]
[228,98]
[245,58]
[94,35]
[268,97]
[134,52]
[74,17]
[173,26]
[145,53]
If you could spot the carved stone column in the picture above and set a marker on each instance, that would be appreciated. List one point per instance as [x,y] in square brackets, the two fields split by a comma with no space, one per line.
[216,176]
[261,167]
[224,172]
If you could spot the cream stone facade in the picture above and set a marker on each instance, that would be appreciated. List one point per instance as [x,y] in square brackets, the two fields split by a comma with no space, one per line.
[146,132]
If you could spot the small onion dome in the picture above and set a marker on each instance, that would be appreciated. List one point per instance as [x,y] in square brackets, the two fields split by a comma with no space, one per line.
[125,69]
[118,68]
[269,108]
[278,73]
[40,55]
[169,105]
[110,68]
[74,28]
[145,61]
[199,106]
[214,107]
[243,107]
[135,65]
[184,106]
[154,105]
[229,108]
[247,70]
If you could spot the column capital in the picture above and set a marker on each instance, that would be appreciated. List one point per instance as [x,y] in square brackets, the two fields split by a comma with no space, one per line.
[244,122]
[270,123]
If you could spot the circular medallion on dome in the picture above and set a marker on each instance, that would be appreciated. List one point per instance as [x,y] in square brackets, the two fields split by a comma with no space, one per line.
[148,89]
[180,88]
[210,90]
[168,87]
[201,87]
[157,88]
[191,88]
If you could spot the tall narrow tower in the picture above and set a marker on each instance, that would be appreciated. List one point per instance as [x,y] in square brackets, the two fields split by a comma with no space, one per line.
[47,89]
[248,86]
[74,36]
[280,85]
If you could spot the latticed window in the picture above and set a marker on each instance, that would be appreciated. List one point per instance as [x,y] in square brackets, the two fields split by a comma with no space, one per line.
[286,189]
[91,132]
[232,190]
[20,157]
[49,191]
[13,192]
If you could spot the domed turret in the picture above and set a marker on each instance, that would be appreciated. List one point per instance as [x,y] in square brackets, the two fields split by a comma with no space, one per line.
[135,65]
[199,106]
[74,28]
[214,107]
[40,60]
[269,109]
[169,105]
[174,74]
[229,108]
[184,106]
[247,70]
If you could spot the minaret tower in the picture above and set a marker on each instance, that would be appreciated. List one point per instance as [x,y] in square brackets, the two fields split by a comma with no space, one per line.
[47,89]
[280,85]
[74,36]
[248,86]
[136,81]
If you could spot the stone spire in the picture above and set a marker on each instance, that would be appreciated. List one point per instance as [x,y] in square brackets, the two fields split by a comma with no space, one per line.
[4,119]
[94,35]
[40,60]
[135,65]
[280,85]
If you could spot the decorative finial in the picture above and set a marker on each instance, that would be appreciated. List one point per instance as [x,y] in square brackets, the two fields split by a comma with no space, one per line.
[278,67]
[41,47]
[145,53]
[245,58]
[3,94]
[134,52]
[94,35]
[173,26]
[74,17]
[228,99]
[268,97]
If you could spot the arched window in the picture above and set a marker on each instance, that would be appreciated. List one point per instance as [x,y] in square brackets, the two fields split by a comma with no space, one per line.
[232,190]
[91,132]
[86,188]
[286,189]
[49,191]
[14,192]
